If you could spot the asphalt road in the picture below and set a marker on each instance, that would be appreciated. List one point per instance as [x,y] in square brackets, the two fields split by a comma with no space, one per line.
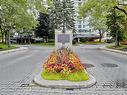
[17,70]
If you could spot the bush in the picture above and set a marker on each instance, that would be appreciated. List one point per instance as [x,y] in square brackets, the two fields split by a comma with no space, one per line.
[51,40]
[123,42]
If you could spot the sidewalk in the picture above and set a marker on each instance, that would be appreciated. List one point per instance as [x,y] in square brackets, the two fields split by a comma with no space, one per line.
[13,50]
[113,50]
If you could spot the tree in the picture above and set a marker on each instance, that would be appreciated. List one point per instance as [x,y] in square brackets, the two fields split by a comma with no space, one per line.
[98,24]
[18,15]
[97,10]
[114,23]
[42,29]
[14,15]
[91,6]
[97,21]
[62,14]
[97,17]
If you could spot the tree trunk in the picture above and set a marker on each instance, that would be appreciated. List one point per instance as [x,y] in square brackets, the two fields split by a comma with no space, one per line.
[47,39]
[21,39]
[25,40]
[8,39]
[44,39]
[29,40]
[2,37]
[101,35]
[116,40]
[100,39]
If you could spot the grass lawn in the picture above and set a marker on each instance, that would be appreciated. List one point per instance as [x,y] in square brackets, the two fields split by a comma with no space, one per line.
[76,76]
[121,47]
[92,43]
[44,44]
[5,47]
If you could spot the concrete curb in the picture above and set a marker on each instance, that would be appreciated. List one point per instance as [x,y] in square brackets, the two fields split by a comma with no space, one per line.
[13,50]
[112,50]
[64,84]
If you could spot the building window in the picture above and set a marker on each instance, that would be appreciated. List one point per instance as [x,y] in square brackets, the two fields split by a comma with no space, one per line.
[84,26]
[79,21]
[84,21]
[79,17]
[79,26]
[85,30]
[79,30]
[79,4]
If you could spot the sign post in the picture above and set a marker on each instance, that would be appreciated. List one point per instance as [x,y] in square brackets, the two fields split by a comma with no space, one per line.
[63,39]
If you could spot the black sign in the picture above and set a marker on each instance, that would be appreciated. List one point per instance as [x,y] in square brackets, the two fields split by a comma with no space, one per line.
[63,38]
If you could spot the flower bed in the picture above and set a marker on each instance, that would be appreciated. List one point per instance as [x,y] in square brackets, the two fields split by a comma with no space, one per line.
[123,42]
[64,65]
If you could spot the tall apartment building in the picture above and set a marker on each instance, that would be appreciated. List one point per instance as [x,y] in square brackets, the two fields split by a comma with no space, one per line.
[81,24]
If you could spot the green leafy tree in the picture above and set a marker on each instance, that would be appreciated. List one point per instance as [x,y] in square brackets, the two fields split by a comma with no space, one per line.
[43,30]
[62,14]
[18,15]
[97,10]
[114,23]
[93,7]
[97,16]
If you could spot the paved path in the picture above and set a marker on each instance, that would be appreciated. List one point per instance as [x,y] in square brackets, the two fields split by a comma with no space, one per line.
[18,69]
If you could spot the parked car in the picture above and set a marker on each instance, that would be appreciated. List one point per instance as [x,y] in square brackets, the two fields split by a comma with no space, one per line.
[38,40]
[13,41]
[109,40]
